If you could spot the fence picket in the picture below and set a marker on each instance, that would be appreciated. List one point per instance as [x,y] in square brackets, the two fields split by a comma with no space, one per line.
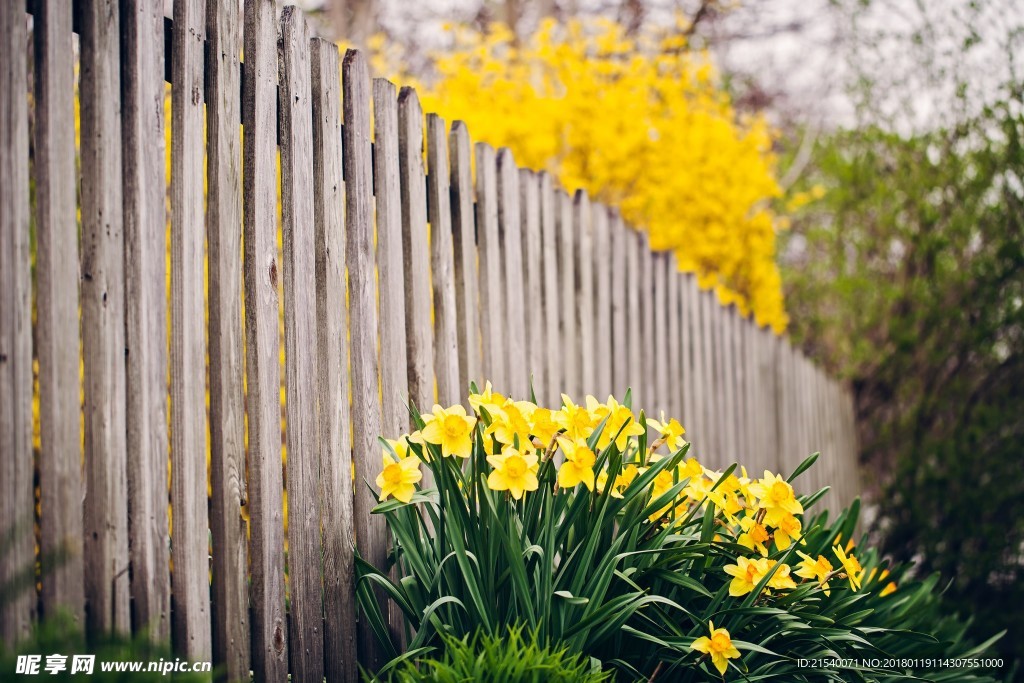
[60,456]
[415,242]
[340,664]
[660,335]
[567,249]
[602,341]
[552,295]
[227,400]
[370,530]
[442,268]
[17,514]
[303,438]
[584,230]
[394,327]
[262,345]
[533,285]
[674,408]
[492,311]
[106,512]
[510,231]
[649,392]
[633,312]
[620,333]
[467,280]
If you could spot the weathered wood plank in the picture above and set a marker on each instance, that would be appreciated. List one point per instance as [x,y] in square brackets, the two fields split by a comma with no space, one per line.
[567,246]
[674,313]
[228,526]
[533,266]
[263,383]
[633,314]
[467,281]
[145,189]
[370,530]
[492,311]
[510,231]
[603,300]
[687,289]
[731,408]
[649,391]
[190,536]
[60,457]
[106,511]
[584,229]
[619,332]
[552,295]
[442,260]
[390,261]
[660,373]
[710,435]
[303,439]
[17,514]
[416,246]
[340,662]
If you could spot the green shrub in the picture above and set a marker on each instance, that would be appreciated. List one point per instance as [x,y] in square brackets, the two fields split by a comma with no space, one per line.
[510,657]
[571,524]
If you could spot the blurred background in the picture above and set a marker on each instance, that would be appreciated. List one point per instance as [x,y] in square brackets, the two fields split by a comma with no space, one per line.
[849,171]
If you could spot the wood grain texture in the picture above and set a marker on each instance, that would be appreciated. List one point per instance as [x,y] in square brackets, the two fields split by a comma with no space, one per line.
[467,280]
[190,535]
[709,434]
[306,643]
[602,300]
[674,371]
[442,265]
[60,455]
[370,530]
[510,231]
[106,510]
[492,310]
[394,327]
[660,373]
[619,332]
[145,189]
[552,295]
[340,659]
[263,382]
[228,526]
[17,514]
[633,314]
[649,391]
[695,404]
[583,226]
[416,248]
[533,269]
[570,346]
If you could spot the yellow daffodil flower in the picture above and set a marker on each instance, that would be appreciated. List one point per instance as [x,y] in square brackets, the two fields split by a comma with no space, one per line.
[399,478]
[671,432]
[719,646]
[450,429]
[851,565]
[578,466]
[781,579]
[746,573]
[754,536]
[818,569]
[577,421]
[787,530]
[514,471]
[776,496]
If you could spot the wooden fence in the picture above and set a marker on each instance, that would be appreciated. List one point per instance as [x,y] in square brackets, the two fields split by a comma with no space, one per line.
[459,266]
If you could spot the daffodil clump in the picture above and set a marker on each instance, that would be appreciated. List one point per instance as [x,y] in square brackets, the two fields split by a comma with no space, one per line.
[600,530]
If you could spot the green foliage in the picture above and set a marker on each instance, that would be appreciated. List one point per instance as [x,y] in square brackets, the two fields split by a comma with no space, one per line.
[511,657]
[909,279]
[60,635]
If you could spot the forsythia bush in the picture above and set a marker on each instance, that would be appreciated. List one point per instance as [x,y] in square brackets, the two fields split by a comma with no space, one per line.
[640,122]
[578,526]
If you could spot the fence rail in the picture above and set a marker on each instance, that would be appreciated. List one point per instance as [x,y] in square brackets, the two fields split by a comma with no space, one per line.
[411,263]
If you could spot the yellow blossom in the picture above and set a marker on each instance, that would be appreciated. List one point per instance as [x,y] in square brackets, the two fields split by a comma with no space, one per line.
[514,471]
[450,429]
[819,569]
[621,423]
[508,423]
[577,421]
[719,646]
[851,565]
[754,536]
[488,399]
[746,574]
[780,579]
[578,466]
[787,530]
[398,478]
[775,495]
[543,426]
[671,432]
